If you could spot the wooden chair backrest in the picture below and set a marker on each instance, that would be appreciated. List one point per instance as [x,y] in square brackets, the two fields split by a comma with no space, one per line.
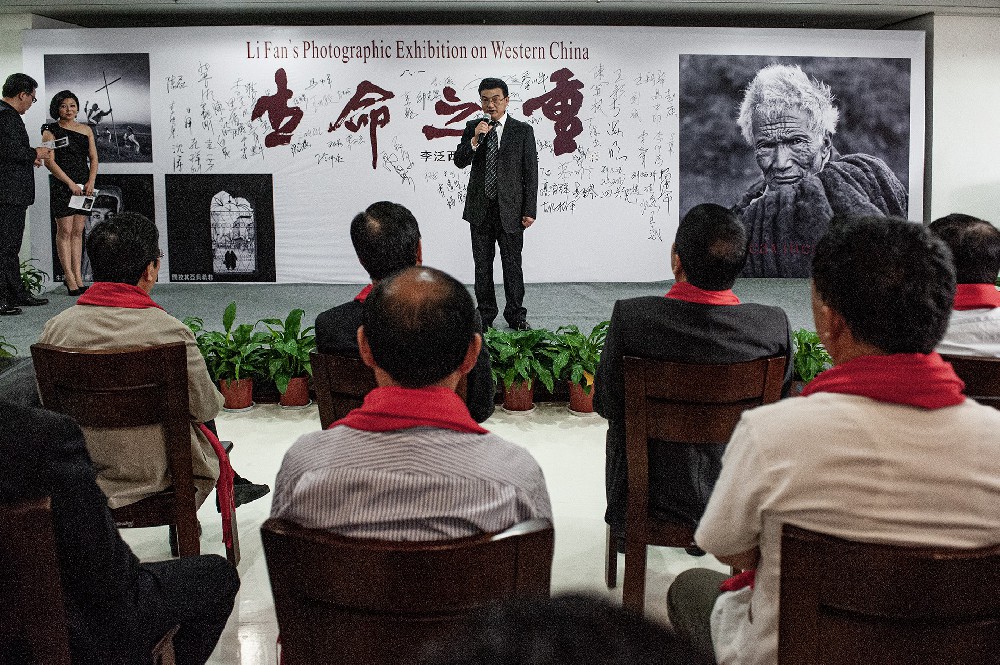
[688,403]
[342,381]
[127,387]
[33,625]
[981,377]
[849,602]
[342,599]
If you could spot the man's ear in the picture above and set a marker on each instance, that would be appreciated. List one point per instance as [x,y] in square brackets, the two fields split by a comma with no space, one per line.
[471,355]
[675,263]
[364,349]
[827,148]
[420,253]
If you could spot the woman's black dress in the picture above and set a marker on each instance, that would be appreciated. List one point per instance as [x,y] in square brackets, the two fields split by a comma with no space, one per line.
[73,159]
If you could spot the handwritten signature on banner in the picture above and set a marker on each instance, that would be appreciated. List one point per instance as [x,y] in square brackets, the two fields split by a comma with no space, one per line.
[609,149]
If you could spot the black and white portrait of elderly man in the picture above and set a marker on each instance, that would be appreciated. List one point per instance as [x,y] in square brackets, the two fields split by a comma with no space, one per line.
[790,122]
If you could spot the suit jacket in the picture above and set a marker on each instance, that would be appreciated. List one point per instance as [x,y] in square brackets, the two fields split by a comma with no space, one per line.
[132,462]
[17,157]
[116,606]
[681,476]
[337,332]
[517,175]
[103,582]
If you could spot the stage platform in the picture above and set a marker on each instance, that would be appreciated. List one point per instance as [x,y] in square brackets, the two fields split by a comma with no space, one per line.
[549,305]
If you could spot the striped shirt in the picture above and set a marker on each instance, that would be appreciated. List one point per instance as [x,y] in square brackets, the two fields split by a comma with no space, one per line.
[420,483]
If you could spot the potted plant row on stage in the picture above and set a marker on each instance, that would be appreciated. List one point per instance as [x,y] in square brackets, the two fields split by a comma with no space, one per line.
[520,358]
[237,355]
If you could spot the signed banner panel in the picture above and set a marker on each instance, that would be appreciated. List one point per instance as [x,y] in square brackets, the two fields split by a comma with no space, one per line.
[263,142]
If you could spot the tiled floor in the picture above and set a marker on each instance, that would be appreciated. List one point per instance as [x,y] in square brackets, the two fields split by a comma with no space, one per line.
[569,448]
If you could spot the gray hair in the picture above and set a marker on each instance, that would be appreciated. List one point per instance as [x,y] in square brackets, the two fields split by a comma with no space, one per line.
[777,88]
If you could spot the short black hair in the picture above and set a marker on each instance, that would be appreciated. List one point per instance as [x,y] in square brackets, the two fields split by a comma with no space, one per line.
[60,97]
[974,245]
[712,245]
[419,323]
[491,83]
[569,629]
[18,83]
[893,282]
[385,238]
[121,247]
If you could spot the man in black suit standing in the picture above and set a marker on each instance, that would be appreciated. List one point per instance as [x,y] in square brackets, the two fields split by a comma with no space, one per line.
[17,188]
[501,200]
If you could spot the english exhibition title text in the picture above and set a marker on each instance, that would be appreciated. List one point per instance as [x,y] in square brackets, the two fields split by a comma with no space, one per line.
[416,49]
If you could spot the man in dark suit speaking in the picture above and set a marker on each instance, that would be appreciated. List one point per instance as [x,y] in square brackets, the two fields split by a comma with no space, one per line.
[501,199]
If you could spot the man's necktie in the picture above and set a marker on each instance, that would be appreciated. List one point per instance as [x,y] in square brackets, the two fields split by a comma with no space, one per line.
[492,153]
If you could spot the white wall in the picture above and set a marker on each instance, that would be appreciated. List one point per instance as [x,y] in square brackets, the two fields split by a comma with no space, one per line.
[965,159]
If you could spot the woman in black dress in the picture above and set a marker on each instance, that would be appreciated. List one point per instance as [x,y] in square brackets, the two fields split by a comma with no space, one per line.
[73,165]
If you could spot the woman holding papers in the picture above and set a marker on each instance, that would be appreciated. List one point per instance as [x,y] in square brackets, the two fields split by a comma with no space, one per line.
[73,165]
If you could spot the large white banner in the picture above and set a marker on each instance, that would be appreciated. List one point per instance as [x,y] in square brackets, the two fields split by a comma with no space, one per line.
[254,147]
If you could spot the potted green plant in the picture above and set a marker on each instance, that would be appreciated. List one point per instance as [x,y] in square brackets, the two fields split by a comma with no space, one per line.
[33,278]
[810,358]
[287,351]
[233,356]
[576,361]
[517,359]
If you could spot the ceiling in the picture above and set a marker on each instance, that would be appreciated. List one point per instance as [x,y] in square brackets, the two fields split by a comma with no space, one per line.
[721,13]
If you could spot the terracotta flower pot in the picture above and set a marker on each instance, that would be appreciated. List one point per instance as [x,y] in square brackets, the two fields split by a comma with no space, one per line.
[520,396]
[238,393]
[297,393]
[580,401]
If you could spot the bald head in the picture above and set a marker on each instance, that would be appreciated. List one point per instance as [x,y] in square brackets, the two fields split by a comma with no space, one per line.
[419,324]
[974,245]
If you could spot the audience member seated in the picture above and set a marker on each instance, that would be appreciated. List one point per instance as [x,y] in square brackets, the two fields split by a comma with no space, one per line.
[568,630]
[881,448]
[974,327]
[699,321]
[117,608]
[117,312]
[411,463]
[17,382]
[386,238]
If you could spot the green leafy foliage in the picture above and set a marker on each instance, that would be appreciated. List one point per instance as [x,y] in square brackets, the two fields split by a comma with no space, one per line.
[33,278]
[234,353]
[7,350]
[577,354]
[521,355]
[810,356]
[288,348]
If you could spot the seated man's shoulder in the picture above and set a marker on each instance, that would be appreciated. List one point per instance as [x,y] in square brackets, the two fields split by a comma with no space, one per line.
[337,328]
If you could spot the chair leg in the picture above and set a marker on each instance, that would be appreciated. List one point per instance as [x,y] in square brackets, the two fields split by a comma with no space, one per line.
[163,652]
[233,551]
[634,586]
[611,562]
[188,538]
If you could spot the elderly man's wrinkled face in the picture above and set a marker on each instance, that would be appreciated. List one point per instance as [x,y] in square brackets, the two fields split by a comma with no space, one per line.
[787,150]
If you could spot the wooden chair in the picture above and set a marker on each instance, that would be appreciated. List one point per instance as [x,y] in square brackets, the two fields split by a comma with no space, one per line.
[685,403]
[849,602]
[132,387]
[342,381]
[342,599]
[32,615]
[981,376]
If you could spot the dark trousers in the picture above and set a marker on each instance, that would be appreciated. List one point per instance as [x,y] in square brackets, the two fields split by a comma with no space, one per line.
[690,601]
[11,233]
[195,592]
[485,238]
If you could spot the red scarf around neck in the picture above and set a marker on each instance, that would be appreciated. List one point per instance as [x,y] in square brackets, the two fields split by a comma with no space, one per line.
[976,296]
[690,293]
[116,294]
[363,295]
[924,380]
[394,407]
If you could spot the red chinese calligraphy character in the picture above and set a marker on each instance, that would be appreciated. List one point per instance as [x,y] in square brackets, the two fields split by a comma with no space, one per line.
[561,105]
[368,94]
[443,107]
[277,109]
